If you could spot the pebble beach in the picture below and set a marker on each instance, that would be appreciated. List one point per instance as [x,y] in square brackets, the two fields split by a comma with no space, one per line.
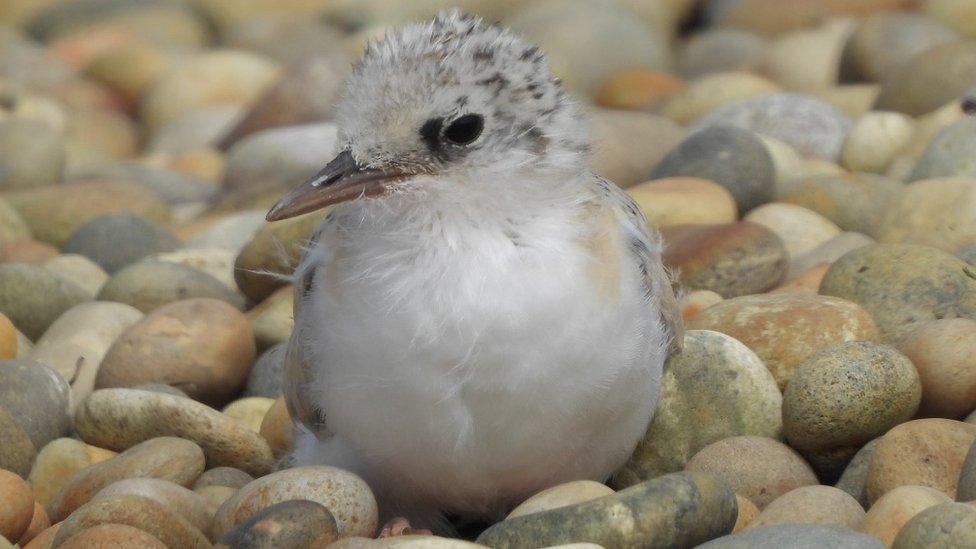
[810,165]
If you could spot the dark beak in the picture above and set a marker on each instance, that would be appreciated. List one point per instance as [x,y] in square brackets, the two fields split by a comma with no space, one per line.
[340,180]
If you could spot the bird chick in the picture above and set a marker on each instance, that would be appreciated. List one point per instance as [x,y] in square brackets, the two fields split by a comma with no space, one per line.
[478,317]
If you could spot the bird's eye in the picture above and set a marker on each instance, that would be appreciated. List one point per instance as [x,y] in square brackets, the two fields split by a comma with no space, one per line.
[465,130]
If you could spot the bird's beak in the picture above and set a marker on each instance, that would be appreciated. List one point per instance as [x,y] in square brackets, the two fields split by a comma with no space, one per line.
[340,180]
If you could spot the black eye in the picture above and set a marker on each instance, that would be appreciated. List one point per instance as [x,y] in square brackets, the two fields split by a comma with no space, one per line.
[464,130]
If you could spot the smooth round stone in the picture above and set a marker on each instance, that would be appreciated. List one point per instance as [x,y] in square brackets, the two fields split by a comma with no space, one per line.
[854,100]
[267,376]
[129,69]
[747,513]
[824,505]
[12,226]
[17,452]
[967,253]
[844,396]
[808,59]
[637,89]
[223,476]
[885,41]
[178,499]
[795,536]
[711,91]
[571,35]
[960,15]
[54,212]
[139,512]
[114,241]
[33,297]
[910,89]
[875,140]
[57,463]
[697,301]
[942,352]
[786,329]
[800,229]
[806,282]
[627,145]
[46,538]
[731,260]
[37,397]
[16,505]
[174,459]
[679,510]
[569,493]
[344,494]
[96,137]
[231,232]
[771,17]
[295,523]
[32,154]
[812,126]
[111,536]
[78,269]
[207,79]
[27,251]
[950,153]
[158,22]
[151,284]
[216,262]
[891,512]
[273,161]
[720,50]
[277,427]
[731,157]
[943,525]
[923,452]
[903,286]
[272,321]
[249,411]
[713,389]
[267,262]
[826,253]
[683,201]
[966,490]
[121,418]
[8,338]
[196,128]
[215,496]
[759,468]
[854,479]
[202,346]
[39,522]
[855,202]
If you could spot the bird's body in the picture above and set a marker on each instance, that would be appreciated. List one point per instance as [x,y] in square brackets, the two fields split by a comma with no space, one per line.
[486,329]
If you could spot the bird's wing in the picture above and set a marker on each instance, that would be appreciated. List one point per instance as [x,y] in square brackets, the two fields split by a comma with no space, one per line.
[645,243]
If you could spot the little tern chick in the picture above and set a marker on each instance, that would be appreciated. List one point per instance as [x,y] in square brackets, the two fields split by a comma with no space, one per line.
[478,317]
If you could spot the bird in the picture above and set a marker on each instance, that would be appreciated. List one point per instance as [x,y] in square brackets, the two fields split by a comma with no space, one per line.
[477,317]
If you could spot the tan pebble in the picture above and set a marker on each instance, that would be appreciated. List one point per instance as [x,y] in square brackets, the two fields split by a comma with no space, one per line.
[812,505]
[807,59]
[273,319]
[223,476]
[112,536]
[801,229]
[562,495]
[39,522]
[940,213]
[807,282]
[78,269]
[250,411]
[16,505]
[277,427]
[45,539]
[637,89]
[747,513]
[174,497]
[697,301]
[887,515]
[628,144]
[8,338]
[875,140]
[54,466]
[215,496]
[923,452]
[138,512]
[705,94]
[943,352]
[684,200]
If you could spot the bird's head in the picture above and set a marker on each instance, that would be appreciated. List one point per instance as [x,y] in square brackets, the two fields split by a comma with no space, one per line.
[454,97]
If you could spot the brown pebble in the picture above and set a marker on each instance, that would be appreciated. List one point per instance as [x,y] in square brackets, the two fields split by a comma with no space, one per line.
[894,509]
[112,536]
[943,352]
[16,505]
[137,512]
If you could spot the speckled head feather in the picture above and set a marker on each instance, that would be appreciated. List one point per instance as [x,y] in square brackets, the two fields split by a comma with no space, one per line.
[412,85]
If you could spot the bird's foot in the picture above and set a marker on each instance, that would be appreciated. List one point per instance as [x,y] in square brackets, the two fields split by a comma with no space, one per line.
[401,527]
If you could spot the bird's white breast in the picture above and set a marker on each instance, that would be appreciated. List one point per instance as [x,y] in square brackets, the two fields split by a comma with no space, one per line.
[473,361]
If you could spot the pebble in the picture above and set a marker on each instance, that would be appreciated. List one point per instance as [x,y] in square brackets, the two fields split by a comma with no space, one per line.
[274,251]
[96,137]
[295,523]
[826,253]
[923,452]
[223,476]
[212,78]
[796,536]
[202,346]
[720,50]
[812,126]
[249,411]
[78,269]
[684,201]
[734,158]
[174,459]
[844,396]
[885,41]
[46,538]
[714,389]
[12,226]
[178,499]
[854,100]
[771,17]
[711,91]
[37,397]
[194,129]
[800,229]
[54,212]
[216,262]
[854,479]
[562,495]
[39,522]
[272,321]
[627,145]
[903,286]
[960,16]
[177,188]
[139,512]
[758,468]
[676,510]
[130,69]
[277,427]
[215,496]
[27,251]
[637,89]
[934,212]
[786,329]
[33,297]
[16,505]
[115,241]
[32,154]
[56,464]
[942,352]
[875,140]
[111,536]
[824,505]
[747,513]
[694,302]
[231,232]
[893,510]
[947,155]
[149,285]
[344,494]
[17,452]
[943,525]
[8,338]
[966,490]
[855,202]
[267,376]
[808,59]
[910,89]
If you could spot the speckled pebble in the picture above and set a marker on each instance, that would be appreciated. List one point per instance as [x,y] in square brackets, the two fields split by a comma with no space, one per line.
[824,505]
[149,285]
[177,499]
[569,493]
[33,297]
[139,512]
[295,523]
[889,514]
[78,269]
[795,536]
[943,525]
[223,476]
[37,397]
[114,241]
